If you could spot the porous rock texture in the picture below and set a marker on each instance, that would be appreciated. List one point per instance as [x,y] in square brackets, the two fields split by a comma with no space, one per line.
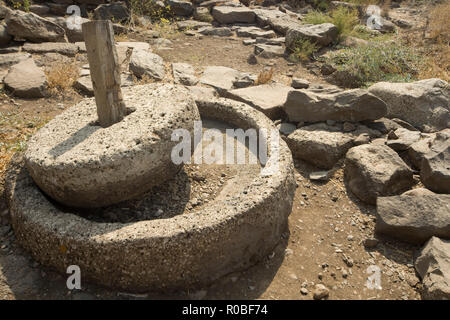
[80,164]
[376,170]
[424,104]
[349,105]
[414,218]
[433,267]
[237,229]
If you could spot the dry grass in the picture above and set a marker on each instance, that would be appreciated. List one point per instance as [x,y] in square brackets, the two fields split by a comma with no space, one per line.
[440,23]
[145,79]
[61,76]
[437,50]
[15,129]
[265,76]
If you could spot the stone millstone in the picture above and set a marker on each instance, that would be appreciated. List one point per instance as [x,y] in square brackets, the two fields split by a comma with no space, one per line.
[237,229]
[79,163]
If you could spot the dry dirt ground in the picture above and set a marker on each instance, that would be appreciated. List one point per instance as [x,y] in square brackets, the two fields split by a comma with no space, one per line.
[327,225]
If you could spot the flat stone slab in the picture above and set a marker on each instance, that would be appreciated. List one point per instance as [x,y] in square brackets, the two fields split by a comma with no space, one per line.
[80,164]
[13,58]
[254,32]
[191,25]
[267,98]
[237,229]
[26,80]
[229,15]
[268,51]
[220,78]
[68,49]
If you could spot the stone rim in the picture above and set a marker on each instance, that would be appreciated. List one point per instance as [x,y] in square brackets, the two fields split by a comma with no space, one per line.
[80,164]
[234,232]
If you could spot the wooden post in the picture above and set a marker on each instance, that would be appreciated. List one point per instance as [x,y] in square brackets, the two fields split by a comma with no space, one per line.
[105,71]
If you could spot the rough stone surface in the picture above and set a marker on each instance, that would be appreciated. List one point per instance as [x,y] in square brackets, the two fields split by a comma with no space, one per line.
[268,51]
[435,166]
[433,267]
[184,73]
[403,139]
[116,11]
[254,32]
[34,28]
[212,31]
[84,85]
[203,93]
[26,80]
[220,78]
[238,229]
[5,38]
[13,58]
[421,103]
[191,25]
[414,218]
[375,171]
[350,105]
[86,165]
[319,144]
[298,83]
[229,15]
[144,63]
[322,34]
[267,98]
[181,7]
[68,49]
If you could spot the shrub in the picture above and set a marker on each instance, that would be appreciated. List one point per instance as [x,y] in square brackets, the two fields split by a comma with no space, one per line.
[343,18]
[264,76]
[303,50]
[150,8]
[375,62]
[61,76]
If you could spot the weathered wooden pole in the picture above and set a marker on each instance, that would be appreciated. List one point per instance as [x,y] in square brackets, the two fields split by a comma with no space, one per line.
[105,71]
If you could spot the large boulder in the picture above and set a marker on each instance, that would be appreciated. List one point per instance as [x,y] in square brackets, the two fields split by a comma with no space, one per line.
[319,144]
[375,171]
[433,267]
[115,11]
[34,28]
[322,34]
[181,7]
[435,166]
[424,104]
[144,63]
[229,15]
[414,218]
[267,98]
[26,80]
[350,105]
[74,32]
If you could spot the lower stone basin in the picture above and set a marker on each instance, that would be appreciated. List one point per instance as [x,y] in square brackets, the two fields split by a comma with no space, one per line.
[236,228]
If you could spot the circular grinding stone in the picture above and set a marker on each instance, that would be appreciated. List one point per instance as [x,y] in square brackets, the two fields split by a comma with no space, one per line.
[235,230]
[78,163]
